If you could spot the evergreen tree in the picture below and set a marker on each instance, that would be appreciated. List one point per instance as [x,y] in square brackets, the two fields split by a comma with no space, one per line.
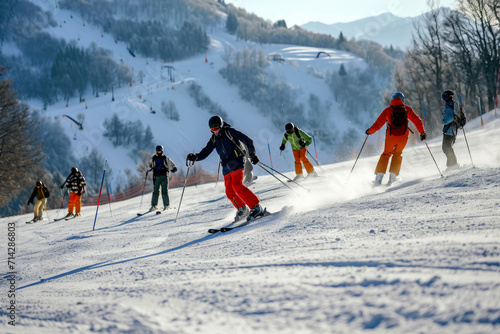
[232,23]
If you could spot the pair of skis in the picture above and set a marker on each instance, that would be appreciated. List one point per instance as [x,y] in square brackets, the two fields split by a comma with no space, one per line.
[231,226]
[157,211]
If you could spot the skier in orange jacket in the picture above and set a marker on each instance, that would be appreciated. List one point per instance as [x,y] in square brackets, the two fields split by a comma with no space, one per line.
[396,116]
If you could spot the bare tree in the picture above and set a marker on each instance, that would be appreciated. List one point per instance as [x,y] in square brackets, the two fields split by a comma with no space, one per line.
[19,149]
[483,33]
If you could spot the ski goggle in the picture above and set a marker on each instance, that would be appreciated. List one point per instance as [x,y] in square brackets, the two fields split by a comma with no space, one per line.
[290,131]
[215,129]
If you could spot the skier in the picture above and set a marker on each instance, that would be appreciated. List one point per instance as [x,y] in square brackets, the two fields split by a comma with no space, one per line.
[299,140]
[42,193]
[396,116]
[227,142]
[161,165]
[451,124]
[76,184]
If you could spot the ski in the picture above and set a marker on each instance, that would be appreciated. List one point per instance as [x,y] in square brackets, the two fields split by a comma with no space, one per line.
[144,213]
[248,221]
[160,211]
[31,221]
[215,230]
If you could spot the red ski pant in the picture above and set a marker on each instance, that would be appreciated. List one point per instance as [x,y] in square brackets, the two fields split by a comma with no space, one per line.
[237,193]
[75,202]
[301,158]
[394,146]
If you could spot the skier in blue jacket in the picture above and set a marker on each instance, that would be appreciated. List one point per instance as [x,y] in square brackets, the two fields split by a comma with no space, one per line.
[451,122]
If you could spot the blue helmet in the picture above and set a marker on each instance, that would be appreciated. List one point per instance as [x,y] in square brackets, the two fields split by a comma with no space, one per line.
[447,95]
[398,94]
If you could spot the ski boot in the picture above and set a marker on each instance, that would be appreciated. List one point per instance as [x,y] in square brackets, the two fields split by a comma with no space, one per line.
[242,212]
[378,179]
[392,179]
[256,212]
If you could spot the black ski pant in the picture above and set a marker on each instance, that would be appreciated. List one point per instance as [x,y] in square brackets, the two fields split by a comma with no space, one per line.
[451,158]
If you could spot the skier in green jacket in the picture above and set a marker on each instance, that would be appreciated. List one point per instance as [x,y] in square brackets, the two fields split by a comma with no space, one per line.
[299,140]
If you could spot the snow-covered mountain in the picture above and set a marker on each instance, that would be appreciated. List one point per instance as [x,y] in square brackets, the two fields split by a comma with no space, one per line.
[419,257]
[301,69]
[385,29]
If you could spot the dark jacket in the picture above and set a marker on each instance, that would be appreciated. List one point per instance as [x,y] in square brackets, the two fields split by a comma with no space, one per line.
[40,193]
[162,165]
[228,145]
[450,123]
[76,183]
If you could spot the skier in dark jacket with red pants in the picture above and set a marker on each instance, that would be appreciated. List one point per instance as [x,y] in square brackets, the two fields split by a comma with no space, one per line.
[227,142]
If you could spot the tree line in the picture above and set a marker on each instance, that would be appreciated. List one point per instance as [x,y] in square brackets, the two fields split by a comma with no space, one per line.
[456,50]
[170,32]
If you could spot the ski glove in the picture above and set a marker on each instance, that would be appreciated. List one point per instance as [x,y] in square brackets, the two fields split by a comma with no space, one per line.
[423,136]
[174,170]
[302,142]
[192,157]
[254,158]
[282,147]
[79,193]
[367,132]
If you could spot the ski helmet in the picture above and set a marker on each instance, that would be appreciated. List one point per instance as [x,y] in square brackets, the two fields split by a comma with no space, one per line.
[447,95]
[39,183]
[159,148]
[398,94]
[215,122]
[74,170]
[289,127]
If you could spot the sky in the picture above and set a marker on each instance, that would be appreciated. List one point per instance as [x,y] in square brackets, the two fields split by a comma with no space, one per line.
[298,12]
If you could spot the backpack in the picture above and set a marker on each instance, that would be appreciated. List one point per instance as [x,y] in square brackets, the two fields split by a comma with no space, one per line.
[399,121]
[296,131]
[239,147]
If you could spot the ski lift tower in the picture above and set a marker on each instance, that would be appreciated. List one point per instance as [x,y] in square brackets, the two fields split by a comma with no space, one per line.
[169,68]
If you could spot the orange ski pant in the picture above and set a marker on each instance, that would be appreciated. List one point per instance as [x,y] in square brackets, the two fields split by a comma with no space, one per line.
[394,146]
[301,158]
[75,202]
[237,193]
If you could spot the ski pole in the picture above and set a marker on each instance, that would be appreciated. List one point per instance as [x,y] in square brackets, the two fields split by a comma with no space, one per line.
[279,159]
[466,142]
[109,197]
[270,157]
[315,150]
[425,141]
[188,165]
[357,158]
[218,173]
[100,191]
[144,187]
[286,185]
[470,155]
[47,211]
[274,170]
[288,163]
[316,161]
[62,203]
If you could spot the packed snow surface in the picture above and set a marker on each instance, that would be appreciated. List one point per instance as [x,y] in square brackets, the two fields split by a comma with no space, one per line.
[421,256]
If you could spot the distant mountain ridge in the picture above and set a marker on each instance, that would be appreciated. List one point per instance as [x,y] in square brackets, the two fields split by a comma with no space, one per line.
[385,29]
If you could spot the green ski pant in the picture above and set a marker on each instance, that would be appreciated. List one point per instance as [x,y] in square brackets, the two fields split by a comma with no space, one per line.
[162,181]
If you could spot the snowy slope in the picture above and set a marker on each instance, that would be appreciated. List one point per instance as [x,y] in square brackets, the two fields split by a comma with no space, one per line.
[419,257]
[301,70]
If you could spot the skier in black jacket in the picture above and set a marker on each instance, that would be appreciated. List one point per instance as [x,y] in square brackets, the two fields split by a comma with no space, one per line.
[162,166]
[41,193]
[227,141]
